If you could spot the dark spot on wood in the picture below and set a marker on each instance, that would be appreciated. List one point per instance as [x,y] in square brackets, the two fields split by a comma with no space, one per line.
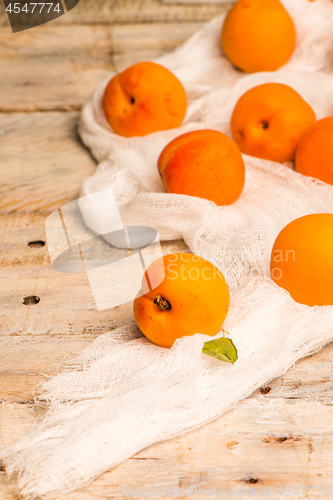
[282,439]
[231,444]
[31,300]
[36,244]
[132,100]
[252,480]
[2,467]
[265,390]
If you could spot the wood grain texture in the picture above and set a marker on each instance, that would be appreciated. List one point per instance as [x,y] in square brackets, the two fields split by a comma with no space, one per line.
[261,443]
[56,68]
[141,42]
[42,161]
[53,67]
[132,11]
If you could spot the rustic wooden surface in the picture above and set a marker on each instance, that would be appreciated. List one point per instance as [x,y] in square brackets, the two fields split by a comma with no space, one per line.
[283,434]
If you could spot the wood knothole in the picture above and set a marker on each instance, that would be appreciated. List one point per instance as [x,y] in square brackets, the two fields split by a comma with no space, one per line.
[265,390]
[36,244]
[30,300]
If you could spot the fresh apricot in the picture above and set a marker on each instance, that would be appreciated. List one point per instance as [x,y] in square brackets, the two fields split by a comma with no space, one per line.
[192,297]
[143,99]
[258,35]
[268,121]
[302,259]
[314,154]
[203,163]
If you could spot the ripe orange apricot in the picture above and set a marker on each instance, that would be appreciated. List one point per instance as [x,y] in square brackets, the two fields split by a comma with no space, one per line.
[192,297]
[203,163]
[258,35]
[143,99]
[268,121]
[314,154]
[302,259]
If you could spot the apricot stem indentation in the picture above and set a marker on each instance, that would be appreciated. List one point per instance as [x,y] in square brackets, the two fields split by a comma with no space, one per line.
[162,303]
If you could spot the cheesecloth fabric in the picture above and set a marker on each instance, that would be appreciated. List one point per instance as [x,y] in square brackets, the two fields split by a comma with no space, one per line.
[123,393]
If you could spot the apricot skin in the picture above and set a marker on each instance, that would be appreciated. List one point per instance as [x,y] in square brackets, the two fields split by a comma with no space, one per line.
[314,155]
[144,98]
[197,292]
[268,121]
[204,163]
[258,35]
[302,259]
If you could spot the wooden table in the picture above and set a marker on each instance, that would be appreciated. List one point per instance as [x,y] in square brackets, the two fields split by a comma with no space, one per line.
[283,434]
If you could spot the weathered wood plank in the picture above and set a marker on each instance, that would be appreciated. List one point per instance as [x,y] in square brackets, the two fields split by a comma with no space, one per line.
[44,74]
[42,161]
[260,444]
[253,442]
[53,67]
[310,379]
[26,361]
[141,42]
[132,11]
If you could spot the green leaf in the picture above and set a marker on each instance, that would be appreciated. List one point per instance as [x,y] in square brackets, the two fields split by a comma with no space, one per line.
[223,349]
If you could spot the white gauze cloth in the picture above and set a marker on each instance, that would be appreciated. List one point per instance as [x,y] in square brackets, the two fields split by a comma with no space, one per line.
[124,393]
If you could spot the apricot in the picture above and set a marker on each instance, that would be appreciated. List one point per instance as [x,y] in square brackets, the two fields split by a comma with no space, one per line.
[192,297]
[204,163]
[302,259]
[314,154]
[143,99]
[268,121]
[258,35]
